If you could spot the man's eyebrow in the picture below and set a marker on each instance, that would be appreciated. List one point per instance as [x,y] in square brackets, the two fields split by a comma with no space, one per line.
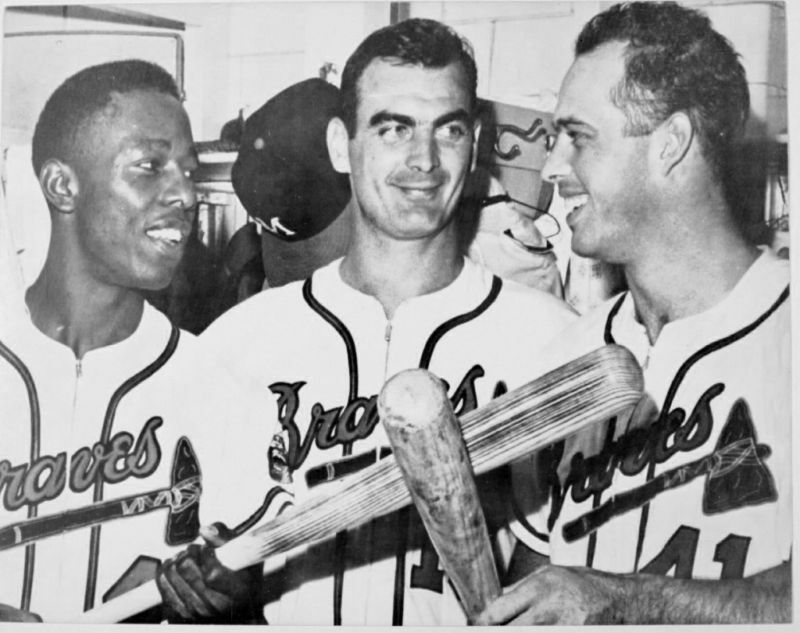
[157,145]
[148,143]
[460,115]
[384,116]
[562,122]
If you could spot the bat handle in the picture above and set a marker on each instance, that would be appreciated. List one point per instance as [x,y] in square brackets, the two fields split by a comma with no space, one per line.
[124,606]
[428,446]
[235,554]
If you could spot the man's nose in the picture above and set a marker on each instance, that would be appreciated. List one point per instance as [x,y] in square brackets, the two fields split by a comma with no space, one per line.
[182,191]
[557,165]
[424,152]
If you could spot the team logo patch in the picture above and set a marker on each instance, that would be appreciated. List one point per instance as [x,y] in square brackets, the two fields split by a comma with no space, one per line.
[735,472]
[278,462]
[740,478]
[183,497]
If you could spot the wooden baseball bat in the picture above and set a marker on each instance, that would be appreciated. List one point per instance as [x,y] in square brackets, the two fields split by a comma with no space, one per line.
[584,391]
[426,440]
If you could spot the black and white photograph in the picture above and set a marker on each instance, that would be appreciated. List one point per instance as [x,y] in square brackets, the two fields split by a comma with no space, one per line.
[367,313]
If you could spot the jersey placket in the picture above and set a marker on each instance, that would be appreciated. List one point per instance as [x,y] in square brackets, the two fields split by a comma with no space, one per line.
[67,432]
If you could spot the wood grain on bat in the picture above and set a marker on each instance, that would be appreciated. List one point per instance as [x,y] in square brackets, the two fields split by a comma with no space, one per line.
[426,440]
[587,390]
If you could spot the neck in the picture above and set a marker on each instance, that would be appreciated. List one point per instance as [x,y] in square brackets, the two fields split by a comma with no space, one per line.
[82,316]
[393,271]
[688,273]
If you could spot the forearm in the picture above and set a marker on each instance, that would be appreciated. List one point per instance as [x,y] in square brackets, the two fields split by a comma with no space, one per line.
[762,598]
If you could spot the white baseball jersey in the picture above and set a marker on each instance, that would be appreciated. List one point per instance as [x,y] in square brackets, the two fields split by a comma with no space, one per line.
[696,481]
[324,350]
[103,461]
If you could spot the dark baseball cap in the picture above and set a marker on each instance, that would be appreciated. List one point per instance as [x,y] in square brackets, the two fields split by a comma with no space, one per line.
[283,175]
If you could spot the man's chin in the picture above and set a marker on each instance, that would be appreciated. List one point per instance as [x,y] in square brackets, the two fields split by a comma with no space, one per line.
[155,283]
[581,248]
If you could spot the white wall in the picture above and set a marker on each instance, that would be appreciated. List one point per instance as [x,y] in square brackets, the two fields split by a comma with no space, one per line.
[237,55]
[33,66]
[240,54]
[523,49]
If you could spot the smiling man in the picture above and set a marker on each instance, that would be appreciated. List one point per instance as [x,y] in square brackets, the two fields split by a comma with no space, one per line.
[402,296]
[110,453]
[680,512]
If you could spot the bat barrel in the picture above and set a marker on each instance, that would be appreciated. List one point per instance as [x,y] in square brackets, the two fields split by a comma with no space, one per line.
[427,444]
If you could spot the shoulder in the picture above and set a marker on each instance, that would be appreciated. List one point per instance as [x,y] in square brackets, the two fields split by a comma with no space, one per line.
[204,380]
[534,297]
[266,309]
[594,322]
[532,309]
[584,333]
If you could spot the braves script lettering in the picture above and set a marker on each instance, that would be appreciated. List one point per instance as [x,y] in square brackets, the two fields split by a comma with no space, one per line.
[342,425]
[671,433]
[113,461]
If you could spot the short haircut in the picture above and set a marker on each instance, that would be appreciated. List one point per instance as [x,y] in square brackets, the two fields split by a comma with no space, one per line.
[675,61]
[414,42]
[84,94]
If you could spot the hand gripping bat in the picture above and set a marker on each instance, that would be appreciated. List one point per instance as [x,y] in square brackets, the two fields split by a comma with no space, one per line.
[584,391]
[426,440]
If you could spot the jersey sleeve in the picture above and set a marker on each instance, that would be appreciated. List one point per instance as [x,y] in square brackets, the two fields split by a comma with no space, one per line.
[229,340]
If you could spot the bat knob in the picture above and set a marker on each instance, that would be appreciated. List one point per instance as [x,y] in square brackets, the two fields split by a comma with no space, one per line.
[412,399]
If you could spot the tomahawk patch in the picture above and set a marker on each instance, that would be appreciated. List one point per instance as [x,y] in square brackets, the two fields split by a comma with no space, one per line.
[742,478]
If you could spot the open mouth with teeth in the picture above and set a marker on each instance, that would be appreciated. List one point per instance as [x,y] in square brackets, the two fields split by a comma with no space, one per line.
[573,203]
[168,238]
[420,194]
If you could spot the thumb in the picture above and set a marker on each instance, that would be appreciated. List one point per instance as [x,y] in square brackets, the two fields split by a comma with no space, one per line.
[216,534]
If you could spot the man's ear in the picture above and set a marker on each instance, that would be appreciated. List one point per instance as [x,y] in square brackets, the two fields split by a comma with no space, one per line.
[59,184]
[476,137]
[673,139]
[338,139]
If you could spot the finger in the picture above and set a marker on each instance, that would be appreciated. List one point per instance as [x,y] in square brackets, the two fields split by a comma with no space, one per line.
[169,595]
[498,612]
[532,616]
[186,578]
[213,534]
[224,586]
[190,579]
[515,601]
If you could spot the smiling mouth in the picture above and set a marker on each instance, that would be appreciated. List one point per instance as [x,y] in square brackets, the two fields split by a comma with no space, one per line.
[426,192]
[576,202]
[167,237]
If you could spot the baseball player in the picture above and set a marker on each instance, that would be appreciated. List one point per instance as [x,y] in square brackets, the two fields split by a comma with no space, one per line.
[680,512]
[119,440]
[402,296]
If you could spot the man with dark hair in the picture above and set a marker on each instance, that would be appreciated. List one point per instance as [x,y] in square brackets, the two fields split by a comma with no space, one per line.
[425,43]
[84,95]
[110,416]
[680,512]
[402,296]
